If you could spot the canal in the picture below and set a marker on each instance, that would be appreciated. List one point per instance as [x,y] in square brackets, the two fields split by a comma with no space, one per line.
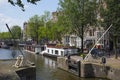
[46,68]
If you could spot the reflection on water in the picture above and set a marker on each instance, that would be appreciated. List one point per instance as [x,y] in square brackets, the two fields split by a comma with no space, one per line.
[50,63]
[46,68]
[8,54]
[5,54]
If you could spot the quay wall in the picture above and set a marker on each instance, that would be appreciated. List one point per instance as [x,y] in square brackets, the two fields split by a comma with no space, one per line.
[88,69]
[61,63]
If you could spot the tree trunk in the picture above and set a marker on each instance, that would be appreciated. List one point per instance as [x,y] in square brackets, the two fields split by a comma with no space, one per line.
[82,39]
[115,47]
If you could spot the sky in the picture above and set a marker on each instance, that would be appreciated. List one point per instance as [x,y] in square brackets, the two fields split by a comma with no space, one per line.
[13,15]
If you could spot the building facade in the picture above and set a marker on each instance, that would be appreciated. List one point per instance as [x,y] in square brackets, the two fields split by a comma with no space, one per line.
[91,36]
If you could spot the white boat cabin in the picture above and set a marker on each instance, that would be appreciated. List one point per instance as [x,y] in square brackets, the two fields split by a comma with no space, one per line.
[59,50]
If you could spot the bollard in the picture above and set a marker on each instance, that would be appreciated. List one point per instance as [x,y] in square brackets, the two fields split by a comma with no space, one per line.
[103,61]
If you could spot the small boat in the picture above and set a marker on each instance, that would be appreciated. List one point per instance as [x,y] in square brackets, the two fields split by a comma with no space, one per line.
[4,46]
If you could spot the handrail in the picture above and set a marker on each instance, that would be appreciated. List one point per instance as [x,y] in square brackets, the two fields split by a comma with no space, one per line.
[97,42]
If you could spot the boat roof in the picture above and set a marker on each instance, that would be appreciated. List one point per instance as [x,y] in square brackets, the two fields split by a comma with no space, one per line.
[60,46]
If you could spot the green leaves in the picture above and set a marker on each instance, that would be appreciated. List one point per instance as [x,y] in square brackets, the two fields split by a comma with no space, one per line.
[37,26]
[21,4]
[16,30]
[111,15]
[5,35]
[79,12]
[33,26]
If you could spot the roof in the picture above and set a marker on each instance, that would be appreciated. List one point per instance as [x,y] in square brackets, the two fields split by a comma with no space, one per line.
[60,46]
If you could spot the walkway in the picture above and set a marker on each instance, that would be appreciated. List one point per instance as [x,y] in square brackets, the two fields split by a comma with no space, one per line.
[7,72]
[115,63]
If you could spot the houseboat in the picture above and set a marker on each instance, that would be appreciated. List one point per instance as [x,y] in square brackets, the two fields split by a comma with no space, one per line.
[35,49]
[3,45]
[54,50]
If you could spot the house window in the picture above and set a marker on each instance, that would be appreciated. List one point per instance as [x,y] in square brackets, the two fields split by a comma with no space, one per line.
[99,34]
[56,52]
[67,38]
[90,32]
[93,32]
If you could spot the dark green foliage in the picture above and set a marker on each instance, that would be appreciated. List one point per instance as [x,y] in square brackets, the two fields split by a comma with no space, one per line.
[34,24]
[5,35]
[16,31]
[79,14]
[111,15]
[20,3]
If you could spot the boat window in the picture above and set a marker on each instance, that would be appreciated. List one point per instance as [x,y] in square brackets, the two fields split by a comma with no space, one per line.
[56,51]
[48,50]
[62,54]
[52,51]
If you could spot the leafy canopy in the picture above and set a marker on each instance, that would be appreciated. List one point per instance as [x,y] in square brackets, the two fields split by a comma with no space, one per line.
[111,15]
[16,30]
[5,35]
[20,3]
[79,13]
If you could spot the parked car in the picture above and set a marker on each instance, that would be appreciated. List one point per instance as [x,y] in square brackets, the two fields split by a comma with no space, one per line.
[97,52]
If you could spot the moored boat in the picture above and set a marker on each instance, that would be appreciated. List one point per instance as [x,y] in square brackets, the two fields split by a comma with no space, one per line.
[3,45]
[55,50]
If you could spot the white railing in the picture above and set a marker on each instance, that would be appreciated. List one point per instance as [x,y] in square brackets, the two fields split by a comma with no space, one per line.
[89,54]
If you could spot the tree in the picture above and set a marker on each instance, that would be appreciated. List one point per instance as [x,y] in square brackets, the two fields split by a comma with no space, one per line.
[33,25]
[46,19]
[56,32]
[16,30]
[20,3]
[52,30]
[5,35]
[60,27]
[110,13]
[79,14]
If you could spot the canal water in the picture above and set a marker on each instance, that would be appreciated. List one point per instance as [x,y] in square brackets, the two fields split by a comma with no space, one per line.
[46,68]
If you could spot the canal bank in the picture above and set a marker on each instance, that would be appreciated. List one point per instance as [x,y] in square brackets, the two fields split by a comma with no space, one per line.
[13,68]
[46,68]
[111,70]
[7,71]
